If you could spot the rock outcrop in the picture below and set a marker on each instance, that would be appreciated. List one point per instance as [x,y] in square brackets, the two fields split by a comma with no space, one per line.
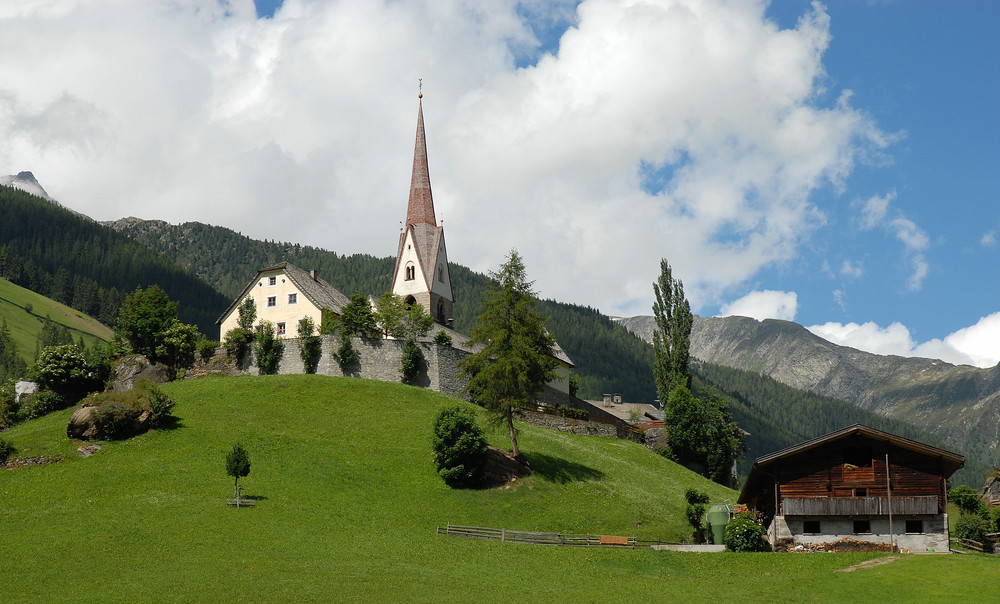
[128,370]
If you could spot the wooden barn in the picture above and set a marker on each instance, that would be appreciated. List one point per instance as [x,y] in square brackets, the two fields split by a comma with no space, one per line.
[853,487]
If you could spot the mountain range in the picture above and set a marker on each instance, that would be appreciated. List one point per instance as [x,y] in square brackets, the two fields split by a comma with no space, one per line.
[959,404]
[787,384]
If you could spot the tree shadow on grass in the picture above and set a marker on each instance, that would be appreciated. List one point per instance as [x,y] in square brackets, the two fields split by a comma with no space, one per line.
[169,422]
[562,471]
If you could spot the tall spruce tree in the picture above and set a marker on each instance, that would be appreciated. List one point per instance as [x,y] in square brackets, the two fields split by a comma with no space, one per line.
[672,337]
[517,355]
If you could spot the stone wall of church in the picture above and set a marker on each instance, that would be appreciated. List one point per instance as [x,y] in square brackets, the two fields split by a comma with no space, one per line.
[381,360]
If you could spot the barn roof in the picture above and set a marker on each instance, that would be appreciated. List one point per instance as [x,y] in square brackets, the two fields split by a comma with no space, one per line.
[759,473]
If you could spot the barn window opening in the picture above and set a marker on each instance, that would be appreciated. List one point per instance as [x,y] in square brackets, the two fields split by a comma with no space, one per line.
[810,526]
[861,492]
[862,526]
[857,457]
[914,526]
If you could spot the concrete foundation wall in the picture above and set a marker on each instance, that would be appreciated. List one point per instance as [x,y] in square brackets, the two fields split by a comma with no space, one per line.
[933,538]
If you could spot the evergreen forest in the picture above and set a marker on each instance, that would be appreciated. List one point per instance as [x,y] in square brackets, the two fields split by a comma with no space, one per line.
[87,266]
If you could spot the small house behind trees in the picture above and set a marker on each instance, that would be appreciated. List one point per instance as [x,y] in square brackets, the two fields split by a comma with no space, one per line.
[857,484]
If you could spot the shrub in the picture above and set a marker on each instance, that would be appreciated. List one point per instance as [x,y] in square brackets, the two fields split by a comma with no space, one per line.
[745,533]
[237,343]
[967,499]
[115,420]
[443,338]
[8,404]
[976,528]
[310,345]
[39,404]
[412,361]
[345,354]
[117,413]
[6,450]
[267,348]
[206,348]
[459,447]
[695,513]
[64,369]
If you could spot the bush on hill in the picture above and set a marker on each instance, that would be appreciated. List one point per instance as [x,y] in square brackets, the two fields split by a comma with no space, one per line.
[459,447]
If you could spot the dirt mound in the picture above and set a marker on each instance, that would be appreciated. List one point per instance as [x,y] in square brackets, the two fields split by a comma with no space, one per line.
[502,468]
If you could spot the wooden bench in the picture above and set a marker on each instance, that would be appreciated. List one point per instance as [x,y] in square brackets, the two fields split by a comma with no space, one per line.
[613,540]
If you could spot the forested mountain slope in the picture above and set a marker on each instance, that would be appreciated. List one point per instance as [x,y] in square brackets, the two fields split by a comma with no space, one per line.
[608,357]
[83,264]
[958,404]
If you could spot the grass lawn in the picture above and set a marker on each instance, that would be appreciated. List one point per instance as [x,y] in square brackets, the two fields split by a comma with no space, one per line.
[24,326]
[348,502]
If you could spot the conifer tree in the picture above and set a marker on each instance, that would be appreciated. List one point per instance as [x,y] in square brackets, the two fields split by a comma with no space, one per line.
[672,337]
[517,355]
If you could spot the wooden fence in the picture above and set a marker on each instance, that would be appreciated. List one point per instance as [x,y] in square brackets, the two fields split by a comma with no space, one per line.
[544,538]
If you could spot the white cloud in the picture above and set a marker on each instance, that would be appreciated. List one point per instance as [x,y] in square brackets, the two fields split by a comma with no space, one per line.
[852,269]
[894,339]
[693,130]
[875,214]
[974,345]
[760,305]
[988,239]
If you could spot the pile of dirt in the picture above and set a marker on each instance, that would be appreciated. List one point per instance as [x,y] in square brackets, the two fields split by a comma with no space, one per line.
[502,468]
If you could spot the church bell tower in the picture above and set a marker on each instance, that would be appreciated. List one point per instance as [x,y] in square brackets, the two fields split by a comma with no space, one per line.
[422,273]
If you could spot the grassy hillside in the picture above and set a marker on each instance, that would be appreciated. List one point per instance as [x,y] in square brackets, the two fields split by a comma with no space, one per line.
[24,326]
[348,505]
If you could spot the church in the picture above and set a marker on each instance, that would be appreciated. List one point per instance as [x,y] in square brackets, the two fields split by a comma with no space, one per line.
[284,295]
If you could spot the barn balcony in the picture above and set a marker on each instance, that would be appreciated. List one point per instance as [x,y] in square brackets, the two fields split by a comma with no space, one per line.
[858,506]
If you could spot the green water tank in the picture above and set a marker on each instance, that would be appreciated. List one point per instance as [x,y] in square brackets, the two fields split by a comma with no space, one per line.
[718,517]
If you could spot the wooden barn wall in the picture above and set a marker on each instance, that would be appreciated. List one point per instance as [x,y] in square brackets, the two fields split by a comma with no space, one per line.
[821,473]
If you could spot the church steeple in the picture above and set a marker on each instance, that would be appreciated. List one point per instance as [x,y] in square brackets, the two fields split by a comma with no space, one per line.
[422,272]
[421,206]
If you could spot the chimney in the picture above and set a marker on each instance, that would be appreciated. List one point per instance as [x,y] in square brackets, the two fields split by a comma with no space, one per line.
[312,274]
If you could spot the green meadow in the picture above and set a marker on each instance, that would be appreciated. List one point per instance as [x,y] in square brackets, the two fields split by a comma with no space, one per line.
[24,326]
[348,501]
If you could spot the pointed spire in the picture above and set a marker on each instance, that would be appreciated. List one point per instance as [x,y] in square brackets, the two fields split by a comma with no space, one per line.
[421,206]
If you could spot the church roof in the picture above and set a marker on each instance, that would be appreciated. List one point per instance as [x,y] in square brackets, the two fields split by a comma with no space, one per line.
[420,209]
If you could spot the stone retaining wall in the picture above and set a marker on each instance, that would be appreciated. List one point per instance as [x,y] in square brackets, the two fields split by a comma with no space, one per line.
[381,360]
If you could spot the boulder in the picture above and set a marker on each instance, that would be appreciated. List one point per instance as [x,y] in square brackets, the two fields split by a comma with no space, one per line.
[128,370]
[991,491]
[81,425]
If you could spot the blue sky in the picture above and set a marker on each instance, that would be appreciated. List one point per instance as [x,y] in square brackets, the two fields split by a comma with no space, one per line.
[835,165]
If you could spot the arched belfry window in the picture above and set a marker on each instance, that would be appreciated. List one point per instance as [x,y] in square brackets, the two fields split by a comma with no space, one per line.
[441,273]
[411,272]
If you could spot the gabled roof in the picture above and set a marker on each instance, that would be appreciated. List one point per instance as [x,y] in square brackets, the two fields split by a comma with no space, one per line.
[427,239]
[320,293]
[950,462]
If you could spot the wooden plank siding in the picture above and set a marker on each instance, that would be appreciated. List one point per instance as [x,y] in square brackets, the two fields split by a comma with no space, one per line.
[823,473]
[858,506]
